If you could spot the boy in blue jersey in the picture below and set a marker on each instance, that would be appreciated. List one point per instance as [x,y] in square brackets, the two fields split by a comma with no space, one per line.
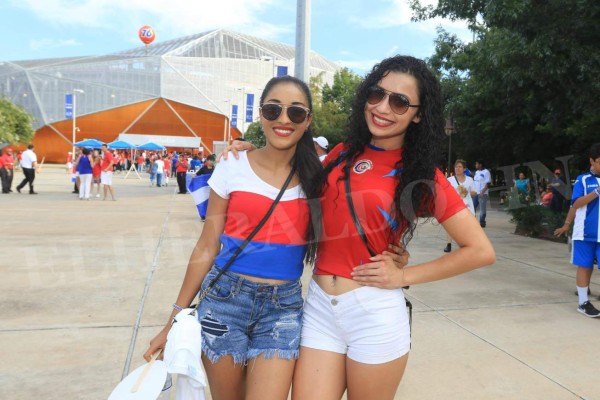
[586,235]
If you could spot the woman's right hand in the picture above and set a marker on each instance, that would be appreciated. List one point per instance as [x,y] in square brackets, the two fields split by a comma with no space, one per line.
[158,343]
[234,147]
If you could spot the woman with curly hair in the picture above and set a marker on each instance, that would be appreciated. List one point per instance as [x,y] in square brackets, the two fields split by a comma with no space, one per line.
[356,333]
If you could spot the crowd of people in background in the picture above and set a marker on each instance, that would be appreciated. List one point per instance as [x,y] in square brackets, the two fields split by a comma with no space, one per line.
[92,169]
[24,160]
[160,167]
[548,193]
[527,188]
[532,189]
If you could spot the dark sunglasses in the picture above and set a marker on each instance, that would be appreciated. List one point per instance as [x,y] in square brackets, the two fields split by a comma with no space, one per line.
[296,114]
[399,103]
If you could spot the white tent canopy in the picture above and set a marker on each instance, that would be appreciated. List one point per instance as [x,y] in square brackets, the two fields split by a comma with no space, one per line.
[188,142]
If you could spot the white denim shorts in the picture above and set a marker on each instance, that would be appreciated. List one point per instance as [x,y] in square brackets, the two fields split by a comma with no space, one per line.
[369,325]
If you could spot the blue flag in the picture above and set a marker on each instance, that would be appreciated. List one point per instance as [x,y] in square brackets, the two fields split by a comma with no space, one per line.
[200,190]
[69,106]
[249,106]
[282,70]
[234,110]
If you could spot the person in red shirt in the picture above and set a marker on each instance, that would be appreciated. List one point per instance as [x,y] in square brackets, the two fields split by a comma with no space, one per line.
[356,332]
[181,170]
[69,162]
[106,172]
[167,162]
[7,170]
[547,196]
[140,163]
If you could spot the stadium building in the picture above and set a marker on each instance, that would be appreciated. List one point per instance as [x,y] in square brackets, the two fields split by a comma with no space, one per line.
[195,91]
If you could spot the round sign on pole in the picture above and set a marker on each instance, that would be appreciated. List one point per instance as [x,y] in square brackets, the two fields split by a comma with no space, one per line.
[146,34]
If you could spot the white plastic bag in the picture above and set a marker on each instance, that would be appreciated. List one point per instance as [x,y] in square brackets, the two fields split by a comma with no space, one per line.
[182,356]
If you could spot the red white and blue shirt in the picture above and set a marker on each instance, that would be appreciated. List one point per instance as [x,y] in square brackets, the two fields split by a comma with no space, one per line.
[372,181]
[587,218]
[278,249]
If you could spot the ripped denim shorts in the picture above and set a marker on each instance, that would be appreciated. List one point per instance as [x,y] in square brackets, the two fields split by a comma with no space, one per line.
[245,319]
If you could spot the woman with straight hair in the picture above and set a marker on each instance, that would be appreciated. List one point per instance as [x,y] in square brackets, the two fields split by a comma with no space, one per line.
[251,317]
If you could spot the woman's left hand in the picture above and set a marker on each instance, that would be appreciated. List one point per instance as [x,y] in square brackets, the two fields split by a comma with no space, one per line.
[384,271]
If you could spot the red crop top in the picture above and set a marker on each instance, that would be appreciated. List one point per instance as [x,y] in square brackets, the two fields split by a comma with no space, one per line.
[372,182]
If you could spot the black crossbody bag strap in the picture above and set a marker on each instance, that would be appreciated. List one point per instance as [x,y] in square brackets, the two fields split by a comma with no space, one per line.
[357,223]
[248,239]
[362,233]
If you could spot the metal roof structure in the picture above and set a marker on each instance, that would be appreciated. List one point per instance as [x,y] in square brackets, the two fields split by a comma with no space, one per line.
[210,70]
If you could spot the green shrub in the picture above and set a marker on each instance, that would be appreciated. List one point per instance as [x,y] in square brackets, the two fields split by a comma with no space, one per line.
[528,220]
[536,221]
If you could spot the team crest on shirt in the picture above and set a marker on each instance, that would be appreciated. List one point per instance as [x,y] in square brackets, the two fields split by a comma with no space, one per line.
[362,166]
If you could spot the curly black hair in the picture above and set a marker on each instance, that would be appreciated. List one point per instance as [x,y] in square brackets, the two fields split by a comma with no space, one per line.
[307,166]
[415,192]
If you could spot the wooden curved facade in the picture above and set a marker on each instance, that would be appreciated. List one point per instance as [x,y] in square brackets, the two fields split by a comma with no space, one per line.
[153,117]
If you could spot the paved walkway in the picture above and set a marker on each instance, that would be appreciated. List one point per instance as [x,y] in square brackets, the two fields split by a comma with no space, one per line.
[78,276]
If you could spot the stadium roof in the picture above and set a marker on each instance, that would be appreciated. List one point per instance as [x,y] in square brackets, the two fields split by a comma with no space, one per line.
[210,70]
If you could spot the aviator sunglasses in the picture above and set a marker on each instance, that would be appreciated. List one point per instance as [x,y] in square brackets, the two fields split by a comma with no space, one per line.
[399,103]
[296,114]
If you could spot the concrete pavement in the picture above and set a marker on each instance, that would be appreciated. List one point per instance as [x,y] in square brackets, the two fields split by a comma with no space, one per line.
[78,276]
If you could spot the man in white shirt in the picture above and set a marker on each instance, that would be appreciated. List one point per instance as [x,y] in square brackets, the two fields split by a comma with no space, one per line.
[321,145]
[160,169]
[29,165]
[482,180]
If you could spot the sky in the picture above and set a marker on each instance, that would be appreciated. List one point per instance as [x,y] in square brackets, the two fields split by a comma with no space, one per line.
[353,33]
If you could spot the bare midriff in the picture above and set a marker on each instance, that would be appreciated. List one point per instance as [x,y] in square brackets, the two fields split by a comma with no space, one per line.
[335,285]
[263,280]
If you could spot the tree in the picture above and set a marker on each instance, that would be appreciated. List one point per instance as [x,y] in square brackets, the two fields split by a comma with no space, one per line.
[316,89]
[343,90]
[526,88]
[15,123]
[332,112]
[255,135]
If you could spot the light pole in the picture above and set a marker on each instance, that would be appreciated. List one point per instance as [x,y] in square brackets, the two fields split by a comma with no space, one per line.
[243,108]
[229,121]
[449,129]
[75,118]
[227,125]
